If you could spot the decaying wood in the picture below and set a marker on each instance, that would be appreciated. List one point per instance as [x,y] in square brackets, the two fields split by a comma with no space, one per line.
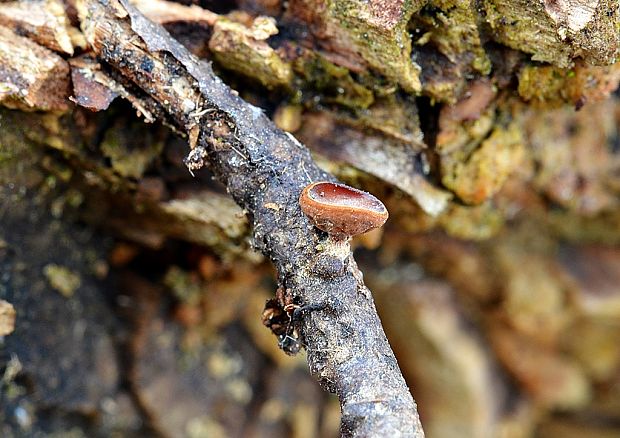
[7,318]
[87,91]
[163,12]
[264,170]
[360,34]
[244,49]
[95,90]
[43,21]
[31,76]
[558,31]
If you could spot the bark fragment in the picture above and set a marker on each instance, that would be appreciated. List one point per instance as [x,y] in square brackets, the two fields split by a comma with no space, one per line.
[357,33]
[164,12]
[95,90]
[43,21]
[448,32]
[87,92]
[557,32]
[245,50]
[31,77]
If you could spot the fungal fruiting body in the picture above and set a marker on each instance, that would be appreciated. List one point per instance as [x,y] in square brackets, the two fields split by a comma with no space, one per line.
[340,210]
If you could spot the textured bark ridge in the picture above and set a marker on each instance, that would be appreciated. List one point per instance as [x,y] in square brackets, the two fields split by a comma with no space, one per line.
[264,170]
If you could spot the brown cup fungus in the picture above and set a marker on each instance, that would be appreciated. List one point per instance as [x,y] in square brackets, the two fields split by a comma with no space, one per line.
[340,210]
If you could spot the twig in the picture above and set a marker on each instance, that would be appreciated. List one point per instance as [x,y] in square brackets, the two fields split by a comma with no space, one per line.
[261,167]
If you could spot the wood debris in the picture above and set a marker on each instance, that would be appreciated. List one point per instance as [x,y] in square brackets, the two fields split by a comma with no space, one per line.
[31,76]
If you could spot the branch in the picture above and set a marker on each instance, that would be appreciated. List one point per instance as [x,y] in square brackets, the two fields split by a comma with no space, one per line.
[264,171]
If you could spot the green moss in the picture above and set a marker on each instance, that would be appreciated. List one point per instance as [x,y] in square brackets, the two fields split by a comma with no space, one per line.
[57,132]
[452,27]
[554,86]
[131,149]
[526,26]
[478,176]
[542,82]
[18,153]
[383,42]
[235,48]
[333,84]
